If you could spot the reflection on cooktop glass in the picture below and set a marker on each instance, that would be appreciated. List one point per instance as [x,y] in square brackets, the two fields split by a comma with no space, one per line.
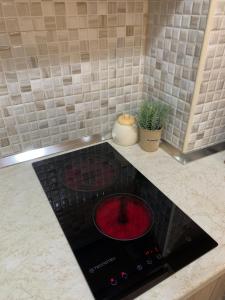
[127,236]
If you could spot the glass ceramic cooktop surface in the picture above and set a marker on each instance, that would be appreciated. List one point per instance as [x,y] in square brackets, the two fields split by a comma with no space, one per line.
[126,235]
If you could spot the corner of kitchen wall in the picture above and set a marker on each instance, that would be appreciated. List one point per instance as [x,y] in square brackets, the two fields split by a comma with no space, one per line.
[68,68]
[173,47]
[206,125]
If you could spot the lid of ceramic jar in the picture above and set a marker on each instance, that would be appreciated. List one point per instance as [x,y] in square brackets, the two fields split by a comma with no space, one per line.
[126,119]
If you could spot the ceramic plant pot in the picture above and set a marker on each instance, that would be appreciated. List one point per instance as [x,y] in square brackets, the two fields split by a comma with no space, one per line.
[149,139]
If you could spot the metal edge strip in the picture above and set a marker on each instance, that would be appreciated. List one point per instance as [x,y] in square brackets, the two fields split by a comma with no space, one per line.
[97,138]
[185,158]
[46,151]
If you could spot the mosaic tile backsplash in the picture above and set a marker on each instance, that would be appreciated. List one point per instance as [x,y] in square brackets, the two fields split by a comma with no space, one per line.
[173,48]
[67,68]
[208,125]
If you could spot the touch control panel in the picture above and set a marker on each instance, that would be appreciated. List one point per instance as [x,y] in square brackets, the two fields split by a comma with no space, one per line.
[148,259]
[122,267]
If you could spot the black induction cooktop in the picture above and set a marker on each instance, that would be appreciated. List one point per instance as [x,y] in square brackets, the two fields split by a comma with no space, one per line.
[127,236]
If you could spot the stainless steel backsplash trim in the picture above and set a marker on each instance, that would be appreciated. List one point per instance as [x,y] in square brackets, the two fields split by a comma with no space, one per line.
[185,158]
[41,152]
[97,138]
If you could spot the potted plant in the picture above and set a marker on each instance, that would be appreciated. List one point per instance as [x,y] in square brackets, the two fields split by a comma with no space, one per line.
[151,120]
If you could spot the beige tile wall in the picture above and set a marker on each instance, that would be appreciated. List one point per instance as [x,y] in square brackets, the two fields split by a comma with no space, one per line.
[174,42]
[67,68]
[208,123]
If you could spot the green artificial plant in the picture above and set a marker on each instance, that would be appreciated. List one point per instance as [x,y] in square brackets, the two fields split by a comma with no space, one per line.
[152,115]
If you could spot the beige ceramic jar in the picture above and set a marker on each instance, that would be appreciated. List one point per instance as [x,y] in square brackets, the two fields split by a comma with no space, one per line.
[125,132]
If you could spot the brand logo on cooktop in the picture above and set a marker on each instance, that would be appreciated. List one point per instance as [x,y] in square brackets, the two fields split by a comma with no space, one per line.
[102,264]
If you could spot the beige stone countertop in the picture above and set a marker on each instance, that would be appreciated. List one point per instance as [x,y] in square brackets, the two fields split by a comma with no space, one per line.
[36,261]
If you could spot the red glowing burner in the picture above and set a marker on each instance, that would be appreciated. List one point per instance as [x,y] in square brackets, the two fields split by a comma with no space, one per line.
[123,217]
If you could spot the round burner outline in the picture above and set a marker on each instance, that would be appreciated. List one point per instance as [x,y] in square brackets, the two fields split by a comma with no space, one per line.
[85,187]
[133,197]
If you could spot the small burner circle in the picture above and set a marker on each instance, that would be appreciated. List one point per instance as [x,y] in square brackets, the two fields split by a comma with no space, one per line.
[90,174]
[123,217]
